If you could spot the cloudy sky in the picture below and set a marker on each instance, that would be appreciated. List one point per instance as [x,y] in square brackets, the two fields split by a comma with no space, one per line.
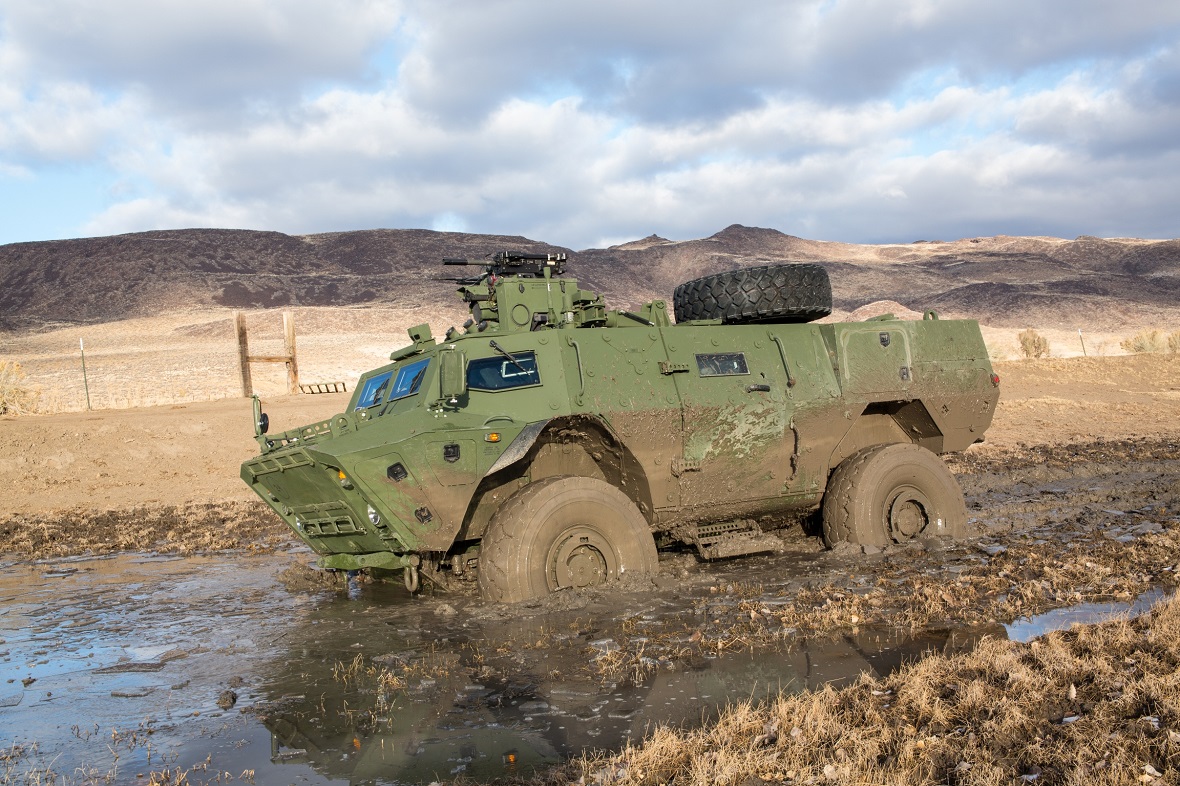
[591,123]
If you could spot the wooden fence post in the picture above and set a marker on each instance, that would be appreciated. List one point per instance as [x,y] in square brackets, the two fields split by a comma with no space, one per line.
[289,340]
[243,353]
[245,358]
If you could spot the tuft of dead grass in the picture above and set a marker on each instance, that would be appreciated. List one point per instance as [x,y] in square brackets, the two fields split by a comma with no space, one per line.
[1152,341]
[396,674]
[1097,704]
[1147,341]
[17,397]
[1033,344]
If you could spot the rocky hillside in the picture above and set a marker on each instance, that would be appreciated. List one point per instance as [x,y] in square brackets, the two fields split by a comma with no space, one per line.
[109,278]
[1002,281]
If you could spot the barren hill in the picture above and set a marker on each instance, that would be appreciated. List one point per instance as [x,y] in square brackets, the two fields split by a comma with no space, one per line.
[1002,281]
[104,279]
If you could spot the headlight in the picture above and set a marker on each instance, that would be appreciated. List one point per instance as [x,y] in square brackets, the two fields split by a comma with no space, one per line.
[374,516]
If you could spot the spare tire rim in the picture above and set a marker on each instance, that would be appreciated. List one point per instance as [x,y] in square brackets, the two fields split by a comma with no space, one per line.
[908,514]
[581,557]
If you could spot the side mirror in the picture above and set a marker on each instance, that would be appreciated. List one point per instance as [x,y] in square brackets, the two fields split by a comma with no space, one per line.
[452,375]
[261,421]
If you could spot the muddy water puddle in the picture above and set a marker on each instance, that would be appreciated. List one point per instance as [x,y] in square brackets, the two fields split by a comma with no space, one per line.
[1028,628]
[133,664]
[112,669]
[109,664]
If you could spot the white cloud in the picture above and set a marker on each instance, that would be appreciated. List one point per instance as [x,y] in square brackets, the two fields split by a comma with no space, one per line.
[64,121]
[196,58]
[581,122]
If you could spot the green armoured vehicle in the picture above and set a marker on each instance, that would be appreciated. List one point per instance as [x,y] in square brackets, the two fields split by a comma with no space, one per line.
[552,442]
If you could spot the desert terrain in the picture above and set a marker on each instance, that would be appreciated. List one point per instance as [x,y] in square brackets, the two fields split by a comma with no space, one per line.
[143,585]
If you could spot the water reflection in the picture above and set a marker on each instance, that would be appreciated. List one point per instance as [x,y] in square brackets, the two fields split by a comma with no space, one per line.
[146,646]
[1028,628]
[480,698]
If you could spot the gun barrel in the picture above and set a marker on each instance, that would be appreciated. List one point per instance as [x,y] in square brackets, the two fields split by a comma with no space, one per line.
[514,263]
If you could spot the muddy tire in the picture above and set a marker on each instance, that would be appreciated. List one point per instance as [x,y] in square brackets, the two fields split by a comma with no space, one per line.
[772,293]
[563,532]
[891,494]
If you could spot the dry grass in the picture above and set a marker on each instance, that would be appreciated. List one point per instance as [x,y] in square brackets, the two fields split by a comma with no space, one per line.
[1146,341]
[1152,341]
[399,675]
[1033,344]
[1031,576]
[1095,705]
[17,397]
[171,529]
[348,673]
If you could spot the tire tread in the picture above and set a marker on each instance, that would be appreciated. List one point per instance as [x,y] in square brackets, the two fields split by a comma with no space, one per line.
[790,293]
[844,506]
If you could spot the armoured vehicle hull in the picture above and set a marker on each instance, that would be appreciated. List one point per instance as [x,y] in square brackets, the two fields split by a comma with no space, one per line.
[552,442]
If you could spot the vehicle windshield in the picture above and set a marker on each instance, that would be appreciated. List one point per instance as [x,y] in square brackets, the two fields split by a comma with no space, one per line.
[392,385]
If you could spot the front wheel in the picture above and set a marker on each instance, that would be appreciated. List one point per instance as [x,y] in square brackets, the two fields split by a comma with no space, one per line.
[563,532]
[892,494]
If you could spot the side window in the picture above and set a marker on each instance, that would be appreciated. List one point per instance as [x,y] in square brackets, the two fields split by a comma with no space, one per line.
[500,373]
[722,364]
[409,379]
[373,390]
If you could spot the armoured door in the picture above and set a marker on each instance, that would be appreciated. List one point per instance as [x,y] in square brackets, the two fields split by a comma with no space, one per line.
[735,415]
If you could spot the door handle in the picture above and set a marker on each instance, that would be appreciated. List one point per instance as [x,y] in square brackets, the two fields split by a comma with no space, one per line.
[757,388]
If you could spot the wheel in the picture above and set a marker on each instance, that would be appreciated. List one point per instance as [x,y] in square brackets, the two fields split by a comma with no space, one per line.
[890,494]
[771,293]
[559,533]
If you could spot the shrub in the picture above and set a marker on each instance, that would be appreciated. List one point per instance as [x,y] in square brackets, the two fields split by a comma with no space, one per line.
[16,397]
[1033,344]
[1174,342]
[1146,341]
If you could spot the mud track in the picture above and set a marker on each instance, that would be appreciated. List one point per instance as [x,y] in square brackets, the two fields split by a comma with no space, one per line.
[226,657]
[1048,528]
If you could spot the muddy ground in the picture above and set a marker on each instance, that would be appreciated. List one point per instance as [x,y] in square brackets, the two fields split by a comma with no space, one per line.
[184,635]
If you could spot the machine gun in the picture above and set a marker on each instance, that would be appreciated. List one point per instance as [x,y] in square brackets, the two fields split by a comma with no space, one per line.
[512,263]
[538,296]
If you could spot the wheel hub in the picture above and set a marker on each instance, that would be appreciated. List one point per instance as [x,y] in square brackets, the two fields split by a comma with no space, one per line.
[908,516]
[580,558]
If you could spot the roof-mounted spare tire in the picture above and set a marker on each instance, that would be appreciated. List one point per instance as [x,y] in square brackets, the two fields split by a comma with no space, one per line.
[770,293]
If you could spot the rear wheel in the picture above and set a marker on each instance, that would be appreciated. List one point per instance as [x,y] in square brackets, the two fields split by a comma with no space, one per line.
[560,533]
[892,494]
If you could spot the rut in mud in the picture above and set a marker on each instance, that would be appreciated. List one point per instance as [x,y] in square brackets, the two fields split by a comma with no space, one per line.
[140,663]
